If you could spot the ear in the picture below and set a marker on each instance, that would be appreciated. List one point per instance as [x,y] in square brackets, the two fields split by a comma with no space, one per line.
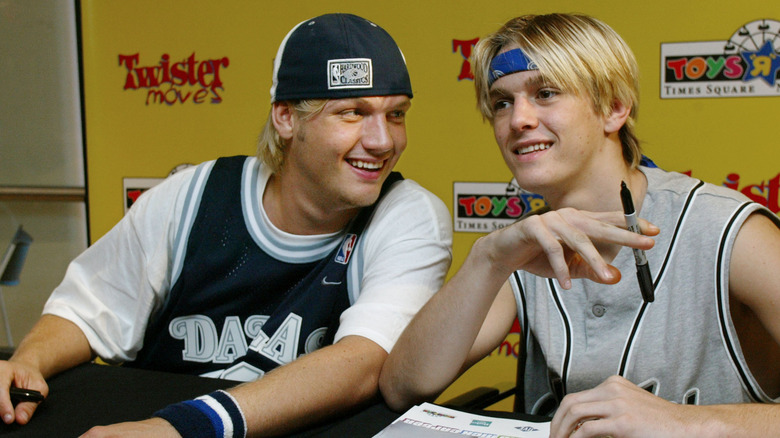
[283,118]
[617,117]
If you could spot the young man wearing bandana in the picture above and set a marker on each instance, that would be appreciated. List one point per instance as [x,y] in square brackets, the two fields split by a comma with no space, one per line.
[242,268]
[698,359]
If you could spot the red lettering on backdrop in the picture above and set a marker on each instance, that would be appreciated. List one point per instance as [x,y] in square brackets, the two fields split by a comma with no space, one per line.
[134,194]
[465,46]
[695,67]
[734,69]
[468,204]
[189,71]
[514,207]
[765,193]
[677,66]
[510,346]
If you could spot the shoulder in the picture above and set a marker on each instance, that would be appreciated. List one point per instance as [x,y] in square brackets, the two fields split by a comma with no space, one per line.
[409,202]
[178,181]
[167,202]
[677,191]
[188,182]
[165,194]
[408,193]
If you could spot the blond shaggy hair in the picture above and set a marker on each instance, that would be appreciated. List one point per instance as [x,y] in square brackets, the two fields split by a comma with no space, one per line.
[270,146]
[576,53]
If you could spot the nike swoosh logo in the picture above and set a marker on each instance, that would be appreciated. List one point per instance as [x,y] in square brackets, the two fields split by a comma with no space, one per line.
[325,282]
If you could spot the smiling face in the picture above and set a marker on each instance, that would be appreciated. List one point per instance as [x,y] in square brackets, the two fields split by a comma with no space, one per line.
[339,158]
[553,141]
[580,53]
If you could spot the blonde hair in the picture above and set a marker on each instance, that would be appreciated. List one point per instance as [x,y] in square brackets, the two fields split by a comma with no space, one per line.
[576,53]
[270,146]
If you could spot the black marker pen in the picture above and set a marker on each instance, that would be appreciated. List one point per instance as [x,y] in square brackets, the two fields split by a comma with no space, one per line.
[642,267]
[25,395]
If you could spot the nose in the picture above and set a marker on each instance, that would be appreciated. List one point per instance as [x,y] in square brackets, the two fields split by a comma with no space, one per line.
[377,138]
[524,115]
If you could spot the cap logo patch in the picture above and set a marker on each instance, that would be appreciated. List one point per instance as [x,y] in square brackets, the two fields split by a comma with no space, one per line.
[350,73]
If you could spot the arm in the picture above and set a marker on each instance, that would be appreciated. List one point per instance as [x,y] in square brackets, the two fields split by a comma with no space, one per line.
[84,315]
[329,381]
[319,385]
[407,254]
[418,368]
[475,309]
[619,408]
[52,346]
[624,409]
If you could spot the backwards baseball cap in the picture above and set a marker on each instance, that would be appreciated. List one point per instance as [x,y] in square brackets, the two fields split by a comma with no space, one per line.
[335,56]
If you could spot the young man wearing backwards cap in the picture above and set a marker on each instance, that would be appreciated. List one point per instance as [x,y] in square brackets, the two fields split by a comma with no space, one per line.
[242,266]
[697,356]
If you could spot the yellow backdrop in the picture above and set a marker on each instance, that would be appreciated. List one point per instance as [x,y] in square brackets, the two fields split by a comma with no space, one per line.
[218,56]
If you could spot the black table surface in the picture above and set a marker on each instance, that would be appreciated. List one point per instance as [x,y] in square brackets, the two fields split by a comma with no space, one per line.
[91,395]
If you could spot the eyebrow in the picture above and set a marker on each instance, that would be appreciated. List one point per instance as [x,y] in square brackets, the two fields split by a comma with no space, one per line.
[361,101]
[536,81]
[498,92]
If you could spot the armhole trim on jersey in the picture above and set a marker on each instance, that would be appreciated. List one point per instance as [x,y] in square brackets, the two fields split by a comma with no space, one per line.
[189,211]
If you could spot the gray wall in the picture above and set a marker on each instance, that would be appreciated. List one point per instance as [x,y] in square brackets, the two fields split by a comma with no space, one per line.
[40,145]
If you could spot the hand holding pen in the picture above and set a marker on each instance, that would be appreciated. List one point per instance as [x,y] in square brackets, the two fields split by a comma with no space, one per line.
[642,267]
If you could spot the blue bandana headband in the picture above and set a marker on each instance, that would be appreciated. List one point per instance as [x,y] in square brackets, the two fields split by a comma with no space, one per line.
[509,62]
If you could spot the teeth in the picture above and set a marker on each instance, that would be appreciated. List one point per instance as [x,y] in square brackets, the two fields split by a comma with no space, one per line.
[366,165]
[534,148]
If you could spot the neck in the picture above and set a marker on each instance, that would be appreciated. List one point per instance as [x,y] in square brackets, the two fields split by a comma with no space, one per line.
[292,209]
[602,191]
[604,195]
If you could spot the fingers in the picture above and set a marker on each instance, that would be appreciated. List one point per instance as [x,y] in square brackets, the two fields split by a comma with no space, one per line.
[647,228]
[552,248]
[24,411]
[6,407]
[575,411]
[596,412]
[12,374]
[574,243]
[610,227]
[592,428]
[567,243]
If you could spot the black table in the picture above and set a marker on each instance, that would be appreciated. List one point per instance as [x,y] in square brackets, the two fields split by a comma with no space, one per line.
[91,395]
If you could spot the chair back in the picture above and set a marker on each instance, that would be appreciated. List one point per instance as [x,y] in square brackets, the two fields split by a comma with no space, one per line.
[14,258]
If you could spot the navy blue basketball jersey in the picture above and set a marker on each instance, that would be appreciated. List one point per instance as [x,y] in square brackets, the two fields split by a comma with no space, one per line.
[235,311]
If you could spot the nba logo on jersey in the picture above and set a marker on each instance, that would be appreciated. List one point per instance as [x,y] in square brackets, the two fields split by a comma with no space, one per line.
[346,249]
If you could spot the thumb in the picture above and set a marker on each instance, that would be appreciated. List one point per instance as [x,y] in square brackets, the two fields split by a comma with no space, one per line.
[24,411]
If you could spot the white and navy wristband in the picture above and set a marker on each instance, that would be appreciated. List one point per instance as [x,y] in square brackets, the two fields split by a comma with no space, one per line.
[213,415]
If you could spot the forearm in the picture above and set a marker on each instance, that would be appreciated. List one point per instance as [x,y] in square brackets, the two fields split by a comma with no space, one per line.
[736,420]
[419,368]
[52,346]
[618,407]
[745,420]
[313,388]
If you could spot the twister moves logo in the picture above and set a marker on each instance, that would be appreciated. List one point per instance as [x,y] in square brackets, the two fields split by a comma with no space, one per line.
[464,47]
[744,65]
[189,80]
[485,207]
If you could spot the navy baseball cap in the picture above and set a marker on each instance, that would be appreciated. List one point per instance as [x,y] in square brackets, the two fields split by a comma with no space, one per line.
[336,56]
